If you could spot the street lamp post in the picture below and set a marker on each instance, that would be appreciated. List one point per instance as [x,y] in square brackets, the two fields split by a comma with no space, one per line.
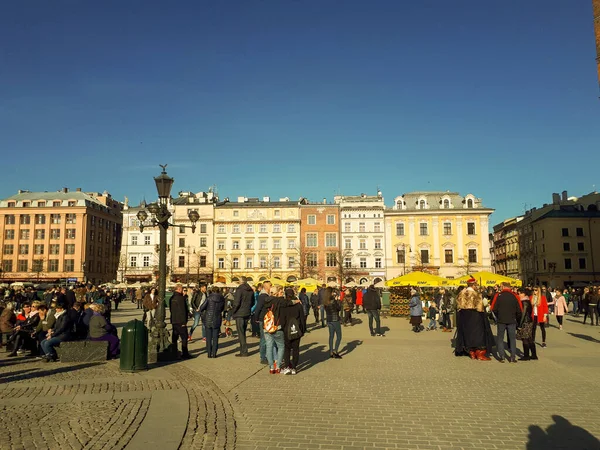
[159,339]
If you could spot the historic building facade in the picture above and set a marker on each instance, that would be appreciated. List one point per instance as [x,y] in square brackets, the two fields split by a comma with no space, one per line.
[319,250]
[443,233]
[60,236]
[362,246]
[259,239]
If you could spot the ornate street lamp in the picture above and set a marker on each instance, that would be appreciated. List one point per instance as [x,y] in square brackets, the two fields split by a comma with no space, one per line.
[159,339]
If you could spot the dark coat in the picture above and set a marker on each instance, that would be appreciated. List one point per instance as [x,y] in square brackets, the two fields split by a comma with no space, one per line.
[371,300]
[213,308]
[179,310]
[242,301]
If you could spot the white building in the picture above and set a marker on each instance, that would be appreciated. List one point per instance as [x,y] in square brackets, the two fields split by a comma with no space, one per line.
[362,237]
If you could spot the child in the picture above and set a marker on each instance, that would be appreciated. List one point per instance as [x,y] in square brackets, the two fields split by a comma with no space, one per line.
[431,314]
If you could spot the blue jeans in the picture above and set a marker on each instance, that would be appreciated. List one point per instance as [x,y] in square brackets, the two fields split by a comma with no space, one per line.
[275,340]
[48,347]
[263,344]
[334,328]
[512,339]
[374,314]
[212,341]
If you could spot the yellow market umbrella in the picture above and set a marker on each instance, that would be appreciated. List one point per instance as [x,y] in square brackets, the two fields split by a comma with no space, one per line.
[489,279]
[416,279]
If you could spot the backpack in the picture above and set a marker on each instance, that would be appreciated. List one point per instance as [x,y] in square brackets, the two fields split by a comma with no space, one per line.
[269,324]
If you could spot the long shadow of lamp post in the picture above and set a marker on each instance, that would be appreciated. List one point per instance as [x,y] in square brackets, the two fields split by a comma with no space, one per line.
[160,348]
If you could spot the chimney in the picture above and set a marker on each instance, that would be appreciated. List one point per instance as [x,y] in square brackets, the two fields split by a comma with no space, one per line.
[564,196]
[555,199]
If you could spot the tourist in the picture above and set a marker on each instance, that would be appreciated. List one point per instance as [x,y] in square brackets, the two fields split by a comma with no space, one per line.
[242,303]
[473,332]
[525,328]
[508,311]
[61,332]
[332,312]
[540,313]
[560,307]
[101,330]
[372,304]
[212,311]
[416,311]
[293,324]
[179,318]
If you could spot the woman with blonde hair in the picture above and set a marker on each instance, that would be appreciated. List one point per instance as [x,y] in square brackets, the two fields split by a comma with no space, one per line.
[101,330]
[539,304]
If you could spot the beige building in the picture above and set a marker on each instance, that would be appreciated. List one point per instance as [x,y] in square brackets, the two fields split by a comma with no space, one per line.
[559,244]
[443,233]
[60,236]
[256,239]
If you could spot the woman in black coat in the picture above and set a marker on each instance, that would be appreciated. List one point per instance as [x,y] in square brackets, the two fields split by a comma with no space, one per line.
[214,305]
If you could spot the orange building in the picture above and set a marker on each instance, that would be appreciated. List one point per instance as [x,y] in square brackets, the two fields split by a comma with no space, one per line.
[58,236]
[320,241]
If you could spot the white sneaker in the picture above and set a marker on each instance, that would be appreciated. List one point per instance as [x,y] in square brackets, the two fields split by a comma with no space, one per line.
[285,371]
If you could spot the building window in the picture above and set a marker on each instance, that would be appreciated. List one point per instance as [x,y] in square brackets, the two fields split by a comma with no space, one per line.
[565,232]
[447,228]
[330,260]
[347,227]
[330,219]
[7,265]
[71,218]
[362,227]
[566,247]
[362,244]
[236,263]
[378,263]
[202,228]
[203,242]
[236,228]
[24,249]
[348,244]
[22,265]
[568,264]
[276,243]
[55,249]
[221,263]
[24,234]
[312,219]
[423,229]
[424,256]
[40,219]
[377,244]
[363,263]
[448,256]
[291,243]
[146,261]
[401,256]
[249,228]
[38,249]
[9,249]
[181,242]
[69,249]
[276,262]
[146,240]
[471,228]
[377,227]
[133,261]
[311,239]
[472,255]
[249,245]
[69,265]
[134,239]
[249,262]
[276,228]
[263,244]
[25,219]
[580,247]
[582,264]
[263,262]
[9,219]
[291,262]
[221,229]
[291,228]
[263,228]
[220,245]
[578,231]
[399,229]
[70,232]
[330,240]
[202,260]
[40,234]
[55,219]
[311,260]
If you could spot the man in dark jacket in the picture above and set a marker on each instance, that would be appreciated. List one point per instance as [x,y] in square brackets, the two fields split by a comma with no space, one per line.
[63,328]
[179,318]
[242,304]
[372,303]
[508,310]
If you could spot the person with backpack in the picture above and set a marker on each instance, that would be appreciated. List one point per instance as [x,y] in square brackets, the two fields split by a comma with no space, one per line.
[293,324]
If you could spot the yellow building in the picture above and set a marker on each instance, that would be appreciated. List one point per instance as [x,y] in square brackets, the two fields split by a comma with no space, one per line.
[439,232]
[257,239]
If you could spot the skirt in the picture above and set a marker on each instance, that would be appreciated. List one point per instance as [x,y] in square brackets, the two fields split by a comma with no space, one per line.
[415,321]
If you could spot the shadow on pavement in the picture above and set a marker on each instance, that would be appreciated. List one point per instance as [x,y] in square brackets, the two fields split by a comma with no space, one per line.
[561,434]
[30,374]
[585,337]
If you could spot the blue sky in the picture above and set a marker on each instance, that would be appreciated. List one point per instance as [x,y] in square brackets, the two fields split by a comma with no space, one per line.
[301,98]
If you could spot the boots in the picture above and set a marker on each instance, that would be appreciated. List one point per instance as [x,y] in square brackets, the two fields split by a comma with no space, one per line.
[473,354]
[481,355]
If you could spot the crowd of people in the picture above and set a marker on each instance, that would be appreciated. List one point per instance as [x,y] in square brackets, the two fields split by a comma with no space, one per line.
[36,324]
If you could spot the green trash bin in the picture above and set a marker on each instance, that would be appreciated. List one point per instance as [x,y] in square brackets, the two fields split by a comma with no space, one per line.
[134,347]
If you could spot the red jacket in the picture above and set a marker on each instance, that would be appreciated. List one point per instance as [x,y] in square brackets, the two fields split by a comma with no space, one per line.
[542,310]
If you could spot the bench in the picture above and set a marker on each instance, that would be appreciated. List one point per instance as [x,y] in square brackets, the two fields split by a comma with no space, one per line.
[82,351]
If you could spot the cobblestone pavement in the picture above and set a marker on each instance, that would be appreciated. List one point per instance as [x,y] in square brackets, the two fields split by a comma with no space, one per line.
[402,391]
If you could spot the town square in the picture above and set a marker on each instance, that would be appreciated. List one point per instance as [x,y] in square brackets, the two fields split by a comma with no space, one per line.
[304,225]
